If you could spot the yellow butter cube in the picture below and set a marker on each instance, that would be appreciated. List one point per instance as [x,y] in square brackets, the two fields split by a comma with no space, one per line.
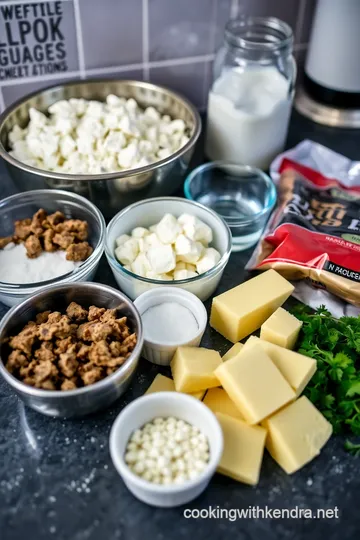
[243,449]
[193,369]
[218,401]
[255,384]
[235,349]
[198,395]
[240,311]
[161,384]
[164,384]
[281,328]
[296,368]
[296,434]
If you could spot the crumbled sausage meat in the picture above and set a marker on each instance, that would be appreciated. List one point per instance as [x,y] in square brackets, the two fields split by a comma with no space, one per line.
[74,226]
[36,226]
[93,375]
[45,352]
[55,218]
[42,317]
[48,240]
[62,345]
[78,252]
[67,351]
[22,228]
[95,313]
[16,360]
[68,363]
[68,384]
[76,312]
[51,233]
[33,246]
[25,339]
[4,241]
[64,240]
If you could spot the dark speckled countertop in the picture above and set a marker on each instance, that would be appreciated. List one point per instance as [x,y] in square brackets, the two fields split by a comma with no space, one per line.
[57,480]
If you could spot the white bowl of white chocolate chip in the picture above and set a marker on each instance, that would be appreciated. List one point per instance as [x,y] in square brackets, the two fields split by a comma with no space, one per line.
[168,241]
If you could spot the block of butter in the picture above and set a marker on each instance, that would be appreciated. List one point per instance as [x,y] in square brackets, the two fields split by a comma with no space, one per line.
[255,384]
[164,384]
[296,434]
[218,401]
[193,369]
[243,449]
[235,349]
[296,368]
[240,311]
[281,328]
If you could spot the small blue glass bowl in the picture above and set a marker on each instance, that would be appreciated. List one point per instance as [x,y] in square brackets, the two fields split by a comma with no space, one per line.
[242,195]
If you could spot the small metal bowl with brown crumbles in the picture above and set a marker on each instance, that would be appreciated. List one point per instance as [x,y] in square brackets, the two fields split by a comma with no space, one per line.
[71,349]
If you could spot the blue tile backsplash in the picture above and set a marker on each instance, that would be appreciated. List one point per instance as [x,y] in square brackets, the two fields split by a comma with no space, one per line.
[169,42]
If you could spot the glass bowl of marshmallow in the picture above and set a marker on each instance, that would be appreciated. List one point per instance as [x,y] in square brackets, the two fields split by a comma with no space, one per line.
[168,241]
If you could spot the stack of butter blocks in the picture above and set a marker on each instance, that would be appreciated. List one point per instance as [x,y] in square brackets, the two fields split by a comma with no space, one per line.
[254,389]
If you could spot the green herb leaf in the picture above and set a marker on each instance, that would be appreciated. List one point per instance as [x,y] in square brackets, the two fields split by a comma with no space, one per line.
[335,386]
[352,447]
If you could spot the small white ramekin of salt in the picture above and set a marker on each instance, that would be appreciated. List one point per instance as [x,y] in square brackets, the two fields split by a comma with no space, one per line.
[171,317]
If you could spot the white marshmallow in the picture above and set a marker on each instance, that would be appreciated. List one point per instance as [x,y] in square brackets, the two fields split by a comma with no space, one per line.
[139,232]
[162,259]
[141,265]
[127,252]
[195,229]
[186,250]
[168,229]
[210,258]
[184,274]
[122,239]
[152,240]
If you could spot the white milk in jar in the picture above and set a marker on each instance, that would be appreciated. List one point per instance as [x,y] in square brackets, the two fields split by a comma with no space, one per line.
[248,115]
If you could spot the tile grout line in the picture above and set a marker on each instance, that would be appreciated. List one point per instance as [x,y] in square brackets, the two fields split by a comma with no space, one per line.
[110,69]
[145,38]
[79,39]
[50,77]
[300,20]
[182,61]
[2,102]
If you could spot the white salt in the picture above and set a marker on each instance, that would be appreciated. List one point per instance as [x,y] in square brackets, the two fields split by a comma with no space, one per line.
[16,267]
[169,322]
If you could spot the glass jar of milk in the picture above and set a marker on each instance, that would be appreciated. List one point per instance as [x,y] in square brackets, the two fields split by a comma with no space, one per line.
[250,99]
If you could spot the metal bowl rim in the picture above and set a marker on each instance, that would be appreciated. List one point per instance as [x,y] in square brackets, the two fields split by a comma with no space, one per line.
[106,176]
[23,388]
[25,288]
[117,266]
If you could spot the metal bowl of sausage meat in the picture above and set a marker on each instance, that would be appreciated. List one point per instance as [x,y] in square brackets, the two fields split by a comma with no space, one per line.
[110,191]
[87,399]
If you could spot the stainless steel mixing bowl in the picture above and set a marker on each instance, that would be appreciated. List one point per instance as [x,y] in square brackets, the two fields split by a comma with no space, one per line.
[90,398]
[110,191]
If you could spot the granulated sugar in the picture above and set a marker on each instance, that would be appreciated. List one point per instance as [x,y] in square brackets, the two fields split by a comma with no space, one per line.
[16,267]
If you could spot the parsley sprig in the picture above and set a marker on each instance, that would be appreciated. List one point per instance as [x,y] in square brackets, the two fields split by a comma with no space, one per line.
[335,387]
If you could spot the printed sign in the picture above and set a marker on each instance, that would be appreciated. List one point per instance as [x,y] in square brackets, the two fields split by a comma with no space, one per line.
[37,39]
